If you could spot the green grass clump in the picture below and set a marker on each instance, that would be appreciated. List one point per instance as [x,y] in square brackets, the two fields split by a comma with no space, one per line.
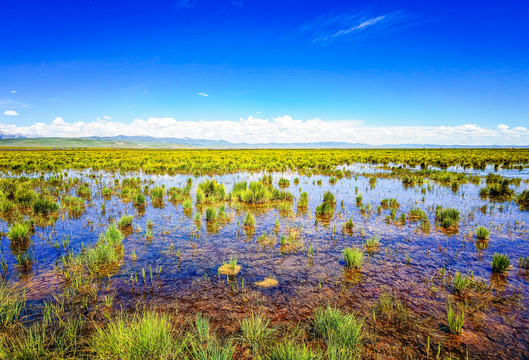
[359,198]
[284,207]
[187,205]
[204,345]
[462,284]
[146,335]
[342,333]
[107,251]
[498,190]
[12,302]
[106,192]
[391,203]
[482,233]
[391,309]
[523,199]
[24,196]
[256,193]
[211,214]
[29,344]
[500,262]
[84,190]
[372,242]
[6,206]
[354,258]
[19,231]
[44,205]
[290,350]
[256,332]
[329,197]
[125,221]
[177,194]
[211,191]
[249,221]
[325,209]
[284,182]
[455,320]
[349,225]
[157,193]
[112,235]
[416,214]
[74,205]
[303,201]
[138,199]
[447,218]
[47,340]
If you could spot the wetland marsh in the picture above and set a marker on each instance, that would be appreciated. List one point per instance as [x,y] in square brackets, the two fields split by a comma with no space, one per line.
[265,254]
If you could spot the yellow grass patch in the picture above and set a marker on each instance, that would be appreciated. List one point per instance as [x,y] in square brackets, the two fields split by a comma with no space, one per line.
[227,269]
[267,282]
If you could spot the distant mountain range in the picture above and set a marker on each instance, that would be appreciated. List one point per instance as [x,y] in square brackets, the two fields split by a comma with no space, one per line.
[203,143]
[22,141]
[13,136]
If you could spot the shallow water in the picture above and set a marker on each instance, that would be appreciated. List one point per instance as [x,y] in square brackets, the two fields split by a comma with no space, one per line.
[406,263]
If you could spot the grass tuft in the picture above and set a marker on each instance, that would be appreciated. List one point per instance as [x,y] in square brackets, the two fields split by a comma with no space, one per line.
[482,233]
[353,257]
[500,263]
[19,232]
[146,335]
[447,218]
[12,301]
[256,332]
[342,333]
[455,320]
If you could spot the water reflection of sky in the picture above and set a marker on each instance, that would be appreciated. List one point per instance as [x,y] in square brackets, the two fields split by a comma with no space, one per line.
[202,251]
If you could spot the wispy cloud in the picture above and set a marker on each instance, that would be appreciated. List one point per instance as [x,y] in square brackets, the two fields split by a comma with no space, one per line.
[354,26]
[283,129]
[203,94]
[10,113]
[185,4]
[13,104]
[361,26]
[13,91]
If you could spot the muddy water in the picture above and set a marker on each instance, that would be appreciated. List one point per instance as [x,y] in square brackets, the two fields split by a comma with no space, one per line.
[184,260]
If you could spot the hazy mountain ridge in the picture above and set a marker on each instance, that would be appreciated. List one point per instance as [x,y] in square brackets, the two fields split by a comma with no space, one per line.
[122,141]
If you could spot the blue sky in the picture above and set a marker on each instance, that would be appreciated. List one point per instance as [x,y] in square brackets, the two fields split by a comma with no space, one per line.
[417,71]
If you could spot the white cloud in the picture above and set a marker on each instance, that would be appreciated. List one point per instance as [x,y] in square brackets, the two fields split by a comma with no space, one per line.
[350,26]
[58,121]
[13,91]
[10,113]
[203,94]
[283,129]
